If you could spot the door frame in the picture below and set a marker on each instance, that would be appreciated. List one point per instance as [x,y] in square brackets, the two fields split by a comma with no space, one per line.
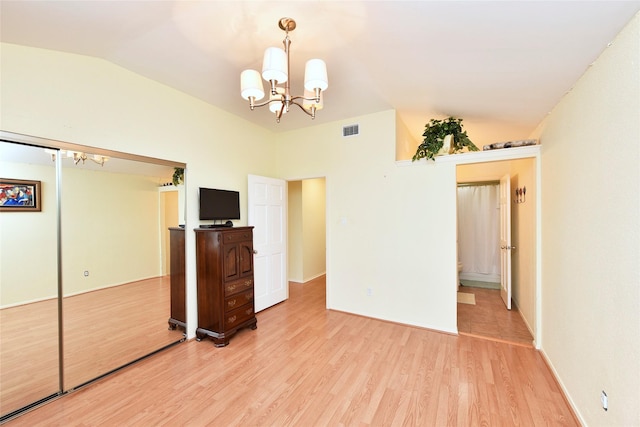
[327,230]
[508,154]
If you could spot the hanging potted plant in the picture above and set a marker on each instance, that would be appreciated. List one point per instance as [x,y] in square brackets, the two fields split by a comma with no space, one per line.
[443,137]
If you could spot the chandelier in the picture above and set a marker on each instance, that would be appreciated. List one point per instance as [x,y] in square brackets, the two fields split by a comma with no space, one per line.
[275,70]
[77,156]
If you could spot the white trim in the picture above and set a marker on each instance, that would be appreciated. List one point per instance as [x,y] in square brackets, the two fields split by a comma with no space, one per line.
[514,153]
[567,396]
[309,279]
[31,301]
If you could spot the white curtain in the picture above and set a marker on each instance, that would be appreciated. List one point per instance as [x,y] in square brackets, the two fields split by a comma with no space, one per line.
[479,232]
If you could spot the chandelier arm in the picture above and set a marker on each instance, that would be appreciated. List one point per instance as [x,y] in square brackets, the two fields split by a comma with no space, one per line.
[262,104]
[99,162]
[301,107]
[279,113]
[305,98]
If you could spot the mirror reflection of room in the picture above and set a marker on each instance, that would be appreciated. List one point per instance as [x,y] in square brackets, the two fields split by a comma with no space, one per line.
[114,271]
[28,285]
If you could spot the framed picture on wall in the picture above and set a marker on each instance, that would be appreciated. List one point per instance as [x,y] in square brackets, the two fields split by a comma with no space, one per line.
[19,195]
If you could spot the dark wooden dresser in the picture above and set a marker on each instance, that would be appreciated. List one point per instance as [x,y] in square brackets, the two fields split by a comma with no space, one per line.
[176,264]
[224,264]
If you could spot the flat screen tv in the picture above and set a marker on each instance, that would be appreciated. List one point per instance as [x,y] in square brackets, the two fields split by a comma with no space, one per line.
[219,204]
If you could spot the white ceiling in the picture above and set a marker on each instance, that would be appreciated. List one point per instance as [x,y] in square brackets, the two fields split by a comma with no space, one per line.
[500,65]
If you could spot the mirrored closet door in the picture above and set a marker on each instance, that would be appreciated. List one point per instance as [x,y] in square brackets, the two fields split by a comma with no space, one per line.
[29,328]
[113,270]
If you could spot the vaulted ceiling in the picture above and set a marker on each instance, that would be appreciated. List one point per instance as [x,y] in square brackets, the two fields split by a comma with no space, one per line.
[499,65]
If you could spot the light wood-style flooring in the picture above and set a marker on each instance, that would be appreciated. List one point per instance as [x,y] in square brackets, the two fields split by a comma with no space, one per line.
[308,366]
[103,330]
[489,318]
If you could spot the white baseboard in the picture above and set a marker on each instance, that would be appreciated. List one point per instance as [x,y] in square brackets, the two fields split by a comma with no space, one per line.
[31,301]
[567,396]
[308,279]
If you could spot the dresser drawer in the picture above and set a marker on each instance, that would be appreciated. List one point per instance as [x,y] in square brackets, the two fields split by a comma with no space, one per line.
[237,300]
[238,316]
[238,286]
[237,236]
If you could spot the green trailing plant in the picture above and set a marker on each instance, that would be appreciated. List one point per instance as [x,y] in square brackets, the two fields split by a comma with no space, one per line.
[434,134]
[178,176]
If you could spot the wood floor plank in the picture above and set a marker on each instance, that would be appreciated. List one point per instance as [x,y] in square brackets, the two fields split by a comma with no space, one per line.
[489,318]
[102,330]
[308,366]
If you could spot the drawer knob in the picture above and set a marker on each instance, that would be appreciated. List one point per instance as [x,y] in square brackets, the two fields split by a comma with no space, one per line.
[231,319]
[231,303]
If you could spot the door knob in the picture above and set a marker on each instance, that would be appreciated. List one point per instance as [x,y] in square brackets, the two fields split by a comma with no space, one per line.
[255,252]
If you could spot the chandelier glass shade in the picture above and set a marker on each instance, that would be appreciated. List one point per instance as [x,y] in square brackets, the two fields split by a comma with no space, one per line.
[275,70]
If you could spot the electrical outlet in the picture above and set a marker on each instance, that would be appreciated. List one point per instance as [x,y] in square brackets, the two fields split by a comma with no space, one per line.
[86,273]
[369,292]
[604,400]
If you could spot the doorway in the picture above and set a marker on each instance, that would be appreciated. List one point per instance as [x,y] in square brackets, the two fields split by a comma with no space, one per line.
[488,317]
[307,230]
[478,234]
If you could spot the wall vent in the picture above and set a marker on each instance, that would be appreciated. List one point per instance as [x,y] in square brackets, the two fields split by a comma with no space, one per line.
[350,130]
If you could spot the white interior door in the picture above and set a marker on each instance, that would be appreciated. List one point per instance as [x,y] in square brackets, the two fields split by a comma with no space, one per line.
[267,209]
[505,240]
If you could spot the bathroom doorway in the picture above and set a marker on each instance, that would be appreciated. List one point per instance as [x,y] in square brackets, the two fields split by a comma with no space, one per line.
[479,234]
[487,315]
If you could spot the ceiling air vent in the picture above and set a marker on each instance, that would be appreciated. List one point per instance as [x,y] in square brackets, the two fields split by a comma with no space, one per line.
[350,130]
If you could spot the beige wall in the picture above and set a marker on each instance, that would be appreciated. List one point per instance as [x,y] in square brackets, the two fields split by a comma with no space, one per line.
[295,246]
[406,142]
[383,232]
[314,228]
[110,227]
[524,231]
[169,217]
[92,102]
[590,236]
[28,241]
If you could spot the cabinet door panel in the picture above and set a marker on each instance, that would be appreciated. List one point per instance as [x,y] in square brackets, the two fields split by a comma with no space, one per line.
[231,270]
[246,258]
